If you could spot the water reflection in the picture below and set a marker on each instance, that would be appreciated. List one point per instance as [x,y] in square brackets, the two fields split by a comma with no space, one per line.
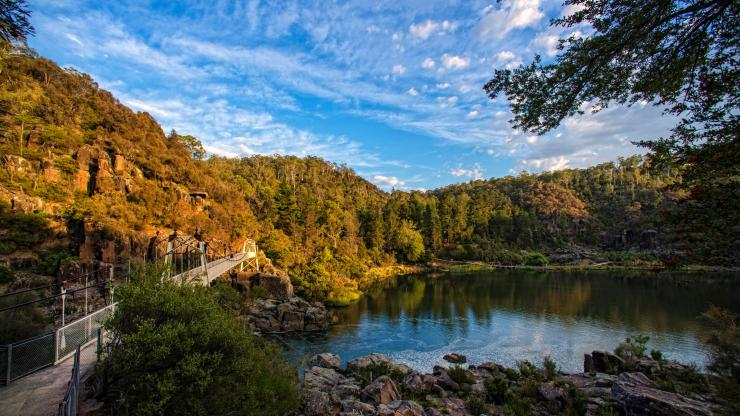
[509,315]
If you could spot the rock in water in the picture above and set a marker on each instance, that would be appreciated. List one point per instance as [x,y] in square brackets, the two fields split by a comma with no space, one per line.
[375,360]
[455,358]
[381,391]
[638,395]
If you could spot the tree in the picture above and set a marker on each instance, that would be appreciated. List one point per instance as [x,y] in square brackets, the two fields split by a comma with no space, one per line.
[679,55]
[409,242]
[14,24]
[194,146]
[175,350]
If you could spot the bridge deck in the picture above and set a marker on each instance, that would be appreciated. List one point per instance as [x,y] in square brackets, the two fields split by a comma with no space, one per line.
[205,275]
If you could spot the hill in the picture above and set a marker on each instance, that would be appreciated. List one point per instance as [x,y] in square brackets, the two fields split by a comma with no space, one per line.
[99,181]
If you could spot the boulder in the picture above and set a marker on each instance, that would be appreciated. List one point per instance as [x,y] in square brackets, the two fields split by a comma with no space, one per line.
[319,403]
[17,164]
[325,360]
[375,360]
[381,391]
[49,171]
[402,408]
[295,314]
[278,287]
[549,391]
[444,380]
[324,379]
[357,408]
[455,358]
[638,395]
[453,407]
[605,362]
[418,383]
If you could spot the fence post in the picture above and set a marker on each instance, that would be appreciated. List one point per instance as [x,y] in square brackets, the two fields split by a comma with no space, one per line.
[99,347]
[10,361]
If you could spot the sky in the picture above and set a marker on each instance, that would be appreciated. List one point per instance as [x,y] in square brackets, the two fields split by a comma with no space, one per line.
[392,89]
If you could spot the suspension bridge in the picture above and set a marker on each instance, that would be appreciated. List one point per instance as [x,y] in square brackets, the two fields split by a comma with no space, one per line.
[39,360]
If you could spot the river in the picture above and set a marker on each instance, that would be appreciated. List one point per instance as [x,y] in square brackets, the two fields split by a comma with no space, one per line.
[509,315]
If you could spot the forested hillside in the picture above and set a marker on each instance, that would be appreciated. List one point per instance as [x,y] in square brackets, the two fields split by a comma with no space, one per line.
[103,180]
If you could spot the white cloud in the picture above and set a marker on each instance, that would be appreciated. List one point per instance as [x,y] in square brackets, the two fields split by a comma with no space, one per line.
[412,92]
[454,61]
[505,56]
[388,181]
[513,14]
[473,114]
[547,42]
[428,63]
[423,30]
[399,69]
[443,85]
[475,172]
[546,164]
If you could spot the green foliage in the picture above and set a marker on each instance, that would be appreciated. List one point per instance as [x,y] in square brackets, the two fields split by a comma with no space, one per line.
[497,389]
[368,374]
[409,242]
[14,21]
[19,230]
[723,341]
[632,349]
[191,143]
[174,350]
[24,322]
[536,259]
[476,405]
[678,55]
[551,369]
[460,375]
[52,258]
[6,275]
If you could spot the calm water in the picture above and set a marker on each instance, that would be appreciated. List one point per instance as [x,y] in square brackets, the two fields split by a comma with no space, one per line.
[505,316]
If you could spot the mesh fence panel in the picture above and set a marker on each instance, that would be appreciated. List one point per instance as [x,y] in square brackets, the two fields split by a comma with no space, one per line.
[30,355]
[3,364]
[80,332]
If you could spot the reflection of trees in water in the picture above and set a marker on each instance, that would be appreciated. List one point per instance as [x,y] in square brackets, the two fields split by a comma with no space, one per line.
[636,300]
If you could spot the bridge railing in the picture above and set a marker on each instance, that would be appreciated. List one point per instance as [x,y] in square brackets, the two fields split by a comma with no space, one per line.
[69,405]
[80,332]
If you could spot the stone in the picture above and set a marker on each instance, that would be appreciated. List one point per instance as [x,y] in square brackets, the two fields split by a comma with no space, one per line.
[295,314]
[606,362]
[588,363]
[549,391]
[278,287]
[430,411]
[453,407]
[647,240]
[319,403]
[403,408]
[418,383]
[325,360]
[17,164]
[444,380]
[49,171]
[356,407]
[374,360]
[82,180]
[637,394]
[119,163]
[324,379]
[455,358]
[381,391]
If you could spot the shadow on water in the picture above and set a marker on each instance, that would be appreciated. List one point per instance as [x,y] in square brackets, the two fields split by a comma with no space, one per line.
[506,315]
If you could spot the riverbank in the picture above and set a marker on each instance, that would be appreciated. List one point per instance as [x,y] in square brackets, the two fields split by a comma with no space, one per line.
[463,266]
[609,385]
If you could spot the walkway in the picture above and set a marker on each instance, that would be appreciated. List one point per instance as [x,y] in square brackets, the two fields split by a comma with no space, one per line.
[40,393]
[205,275]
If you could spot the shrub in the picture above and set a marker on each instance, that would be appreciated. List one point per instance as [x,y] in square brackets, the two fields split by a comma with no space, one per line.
[632,349]
[476,405]
[21,323]
[52,258]
[536,259]
[497,389]
[174,350]
[551,369]
[6,275]
[724,354]
[460,375]
[367,374]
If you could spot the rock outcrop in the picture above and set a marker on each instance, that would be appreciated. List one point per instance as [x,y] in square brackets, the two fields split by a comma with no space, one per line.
[328,389]
[293,314]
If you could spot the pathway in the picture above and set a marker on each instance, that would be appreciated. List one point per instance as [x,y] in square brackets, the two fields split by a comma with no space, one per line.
[40,393]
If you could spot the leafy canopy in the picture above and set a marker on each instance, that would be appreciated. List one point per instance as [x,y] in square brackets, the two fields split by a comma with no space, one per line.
[175,350]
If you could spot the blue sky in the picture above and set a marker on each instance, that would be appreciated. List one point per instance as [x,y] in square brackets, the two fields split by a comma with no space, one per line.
[393,89]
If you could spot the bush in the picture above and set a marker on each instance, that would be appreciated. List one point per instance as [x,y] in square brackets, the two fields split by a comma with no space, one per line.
[476,405]
[632,349]
[536,259]
[724,354]
[460,375]
[52,258]
[497,389]
[551,369]
[174,350]
[6,275]
[21,323]
[367,374]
